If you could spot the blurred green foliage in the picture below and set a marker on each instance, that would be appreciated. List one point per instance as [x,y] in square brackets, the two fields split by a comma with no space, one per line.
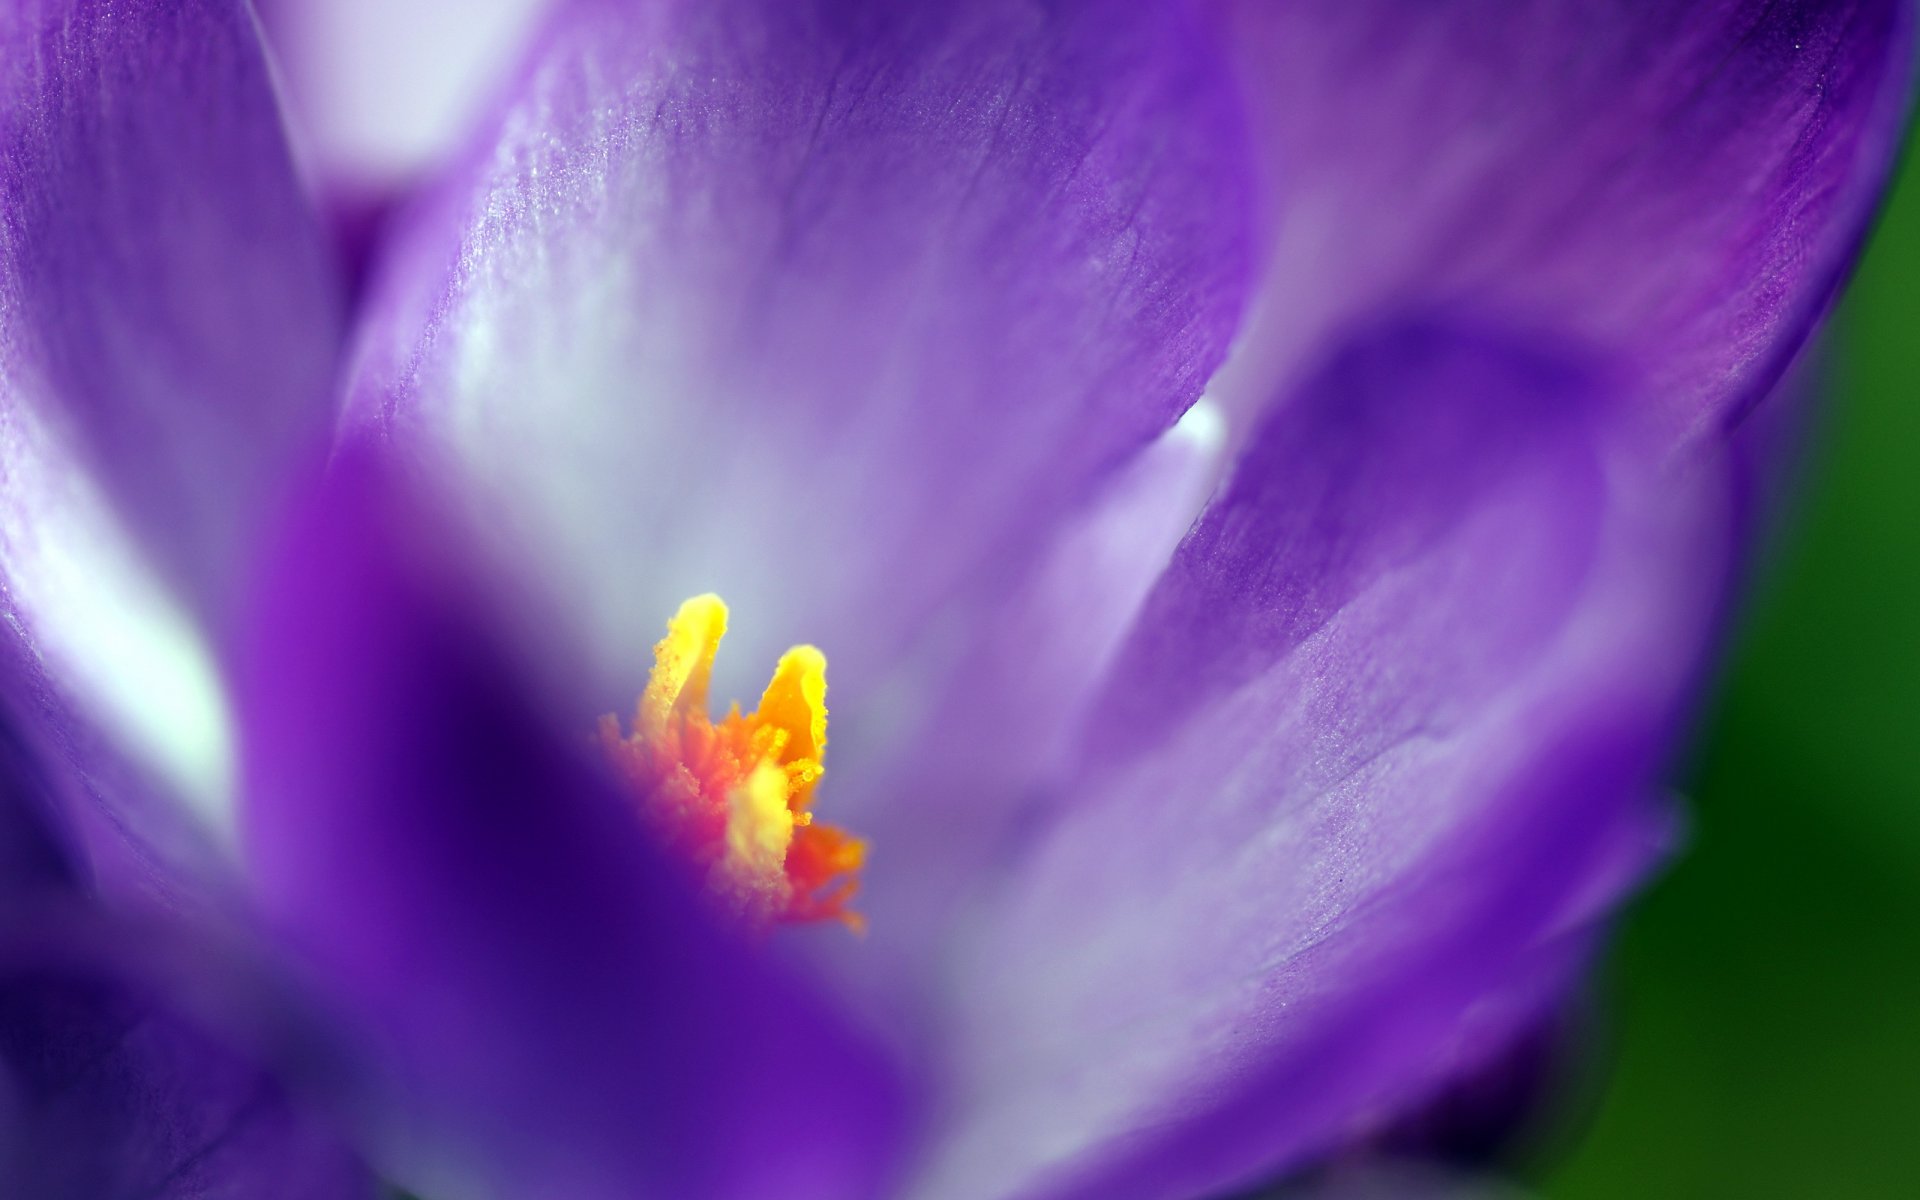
[1763,1002]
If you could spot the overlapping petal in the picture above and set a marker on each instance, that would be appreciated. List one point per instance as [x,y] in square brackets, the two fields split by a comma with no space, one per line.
[133,1062]
[1385,728]
[821,306]
[124,708]
[167,302]
[1687,182]
[938,786]
[111,1085]
[169,330]
[551,997]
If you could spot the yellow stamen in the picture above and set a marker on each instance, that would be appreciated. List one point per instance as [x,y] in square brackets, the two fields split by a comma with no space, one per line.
[735,796]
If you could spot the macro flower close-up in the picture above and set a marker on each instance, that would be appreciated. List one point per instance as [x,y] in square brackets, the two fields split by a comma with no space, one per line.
[839,599]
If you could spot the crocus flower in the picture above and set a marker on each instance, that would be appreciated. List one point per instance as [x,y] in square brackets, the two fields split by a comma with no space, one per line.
[1262,481]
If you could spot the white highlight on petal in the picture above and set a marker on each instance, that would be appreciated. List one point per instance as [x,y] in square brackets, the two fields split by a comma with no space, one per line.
[385,89]
[1203,426]
[109,631]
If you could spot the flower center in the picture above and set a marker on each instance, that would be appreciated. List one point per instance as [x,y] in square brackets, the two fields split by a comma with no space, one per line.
[734,796]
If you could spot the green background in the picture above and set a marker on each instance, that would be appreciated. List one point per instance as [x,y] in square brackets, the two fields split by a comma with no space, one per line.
[1762,1005]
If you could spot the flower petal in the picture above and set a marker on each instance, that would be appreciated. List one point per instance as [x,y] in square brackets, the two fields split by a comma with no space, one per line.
[34,856]
[114,1083]
[1687,182]
[1385,727]
[169,327]
[103,672]
[936,779]
[817,306]
[550,995]
[383,90]
[1399,1181]
[134,1059]
[167,304]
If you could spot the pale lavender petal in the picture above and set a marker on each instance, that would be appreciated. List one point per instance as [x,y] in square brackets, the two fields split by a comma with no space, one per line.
[383,91]
[1383,732]
[825,307]
[936,772]
[168,307]
[1687,182]
[555,1005]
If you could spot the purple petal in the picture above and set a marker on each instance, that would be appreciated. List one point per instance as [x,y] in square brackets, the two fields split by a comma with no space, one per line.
[138,833]
[1506,1091]
[1687,182]
[109,683]
[34,852]
[168,333]
[547,991]
[112,1086]
[131,1056]
[1385,729]
[166,300]
[1390,1180]
[819,306]
[936,783]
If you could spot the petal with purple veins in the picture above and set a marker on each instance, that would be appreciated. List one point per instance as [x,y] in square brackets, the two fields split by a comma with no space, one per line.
[821,307]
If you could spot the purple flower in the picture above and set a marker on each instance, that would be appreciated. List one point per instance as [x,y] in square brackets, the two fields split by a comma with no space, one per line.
[1266,480]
